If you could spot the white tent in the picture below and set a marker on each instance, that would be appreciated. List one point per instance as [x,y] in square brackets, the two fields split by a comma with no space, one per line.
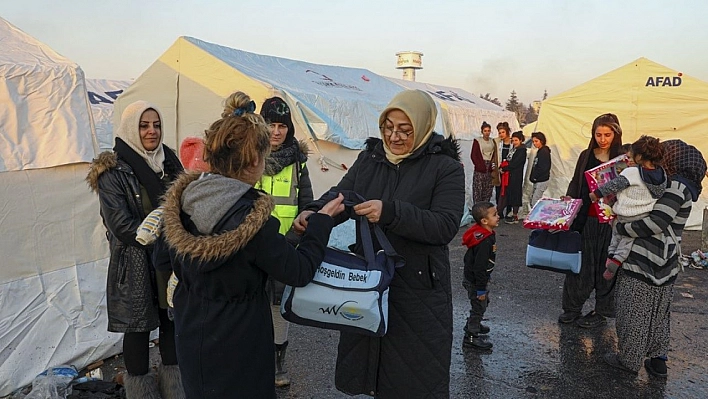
[101,94]
[648,98]
[335,108]
[52,283]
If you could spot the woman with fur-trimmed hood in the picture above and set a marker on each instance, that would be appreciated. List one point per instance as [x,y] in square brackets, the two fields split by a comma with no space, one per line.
[414,184]
[129,182]
[287,179]
[224,244]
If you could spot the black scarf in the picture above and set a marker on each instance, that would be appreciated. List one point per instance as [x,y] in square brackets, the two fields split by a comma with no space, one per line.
[282,157]
[154,186]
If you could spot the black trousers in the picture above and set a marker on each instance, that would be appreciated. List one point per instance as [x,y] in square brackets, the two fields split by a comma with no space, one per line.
[136,349]
[477,309]
[497,196]
[578,287]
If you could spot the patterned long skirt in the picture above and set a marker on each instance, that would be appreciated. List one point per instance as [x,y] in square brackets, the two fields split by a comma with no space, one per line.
[482,184]
[643,320]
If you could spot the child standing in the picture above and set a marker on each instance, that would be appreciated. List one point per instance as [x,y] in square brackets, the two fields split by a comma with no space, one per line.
[479,263]
[637,189]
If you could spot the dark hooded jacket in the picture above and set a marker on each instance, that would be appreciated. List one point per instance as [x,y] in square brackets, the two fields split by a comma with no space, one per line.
[224,244]
[541,170]
[515,168]
[480,257]
[131,295]
[423,200]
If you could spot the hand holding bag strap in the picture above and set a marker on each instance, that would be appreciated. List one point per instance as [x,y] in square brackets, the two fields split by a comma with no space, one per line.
[352,198]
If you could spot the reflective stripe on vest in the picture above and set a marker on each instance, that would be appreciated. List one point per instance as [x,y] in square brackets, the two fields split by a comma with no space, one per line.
[283,188]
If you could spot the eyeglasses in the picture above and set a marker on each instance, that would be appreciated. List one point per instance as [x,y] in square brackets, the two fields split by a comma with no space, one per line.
[402,134]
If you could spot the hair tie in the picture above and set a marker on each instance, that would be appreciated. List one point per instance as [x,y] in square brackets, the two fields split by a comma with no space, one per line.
[250,108]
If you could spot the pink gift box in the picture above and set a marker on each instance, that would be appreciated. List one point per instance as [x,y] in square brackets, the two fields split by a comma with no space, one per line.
[600,175]
[553,214]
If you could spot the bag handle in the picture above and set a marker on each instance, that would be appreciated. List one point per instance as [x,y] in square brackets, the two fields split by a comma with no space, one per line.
[368,244]
[352,198]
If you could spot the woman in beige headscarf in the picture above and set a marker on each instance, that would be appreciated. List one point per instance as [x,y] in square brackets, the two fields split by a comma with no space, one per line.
[414,184]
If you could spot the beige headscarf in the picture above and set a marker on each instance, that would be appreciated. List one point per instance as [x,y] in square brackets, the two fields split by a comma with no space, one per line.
[129,131]
[420,108]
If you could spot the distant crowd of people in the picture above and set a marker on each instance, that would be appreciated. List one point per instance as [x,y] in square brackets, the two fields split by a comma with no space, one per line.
[242,221]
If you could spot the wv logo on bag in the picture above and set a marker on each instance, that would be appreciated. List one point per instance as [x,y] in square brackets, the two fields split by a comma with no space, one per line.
[349,313]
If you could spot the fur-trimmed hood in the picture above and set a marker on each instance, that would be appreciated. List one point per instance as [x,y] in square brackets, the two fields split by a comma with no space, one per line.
[304,148]
[436,144]
[105,160]
[209,247]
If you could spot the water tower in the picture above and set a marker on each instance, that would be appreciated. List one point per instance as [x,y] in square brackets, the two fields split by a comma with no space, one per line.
[409,61]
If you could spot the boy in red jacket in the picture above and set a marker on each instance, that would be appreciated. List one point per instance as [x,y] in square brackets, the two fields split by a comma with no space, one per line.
[479,262]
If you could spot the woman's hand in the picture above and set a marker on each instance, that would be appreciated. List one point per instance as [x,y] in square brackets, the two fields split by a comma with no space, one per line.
[566,198]
[334,207]
[300,222]
[371,209]
[593,197]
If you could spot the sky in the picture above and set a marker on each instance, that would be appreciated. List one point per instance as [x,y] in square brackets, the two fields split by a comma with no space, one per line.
[480,46]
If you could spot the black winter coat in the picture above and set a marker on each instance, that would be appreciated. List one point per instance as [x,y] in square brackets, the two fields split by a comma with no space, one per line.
[223,325]
[131,293]
[423,200]
[514,192]
[541,170]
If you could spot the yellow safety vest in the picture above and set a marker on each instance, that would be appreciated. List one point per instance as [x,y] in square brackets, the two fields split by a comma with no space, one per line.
[284,189]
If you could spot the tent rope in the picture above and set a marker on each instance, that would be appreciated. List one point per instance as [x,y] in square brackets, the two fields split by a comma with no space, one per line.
[324,161]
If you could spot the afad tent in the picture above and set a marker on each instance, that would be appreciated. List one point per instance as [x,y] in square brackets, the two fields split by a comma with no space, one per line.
[102,93]
[647,97]
[335,108]
[55,255]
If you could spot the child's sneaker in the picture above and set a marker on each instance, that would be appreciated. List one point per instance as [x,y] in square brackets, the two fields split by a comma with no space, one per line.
[476,342]
[512,220]
[611,266]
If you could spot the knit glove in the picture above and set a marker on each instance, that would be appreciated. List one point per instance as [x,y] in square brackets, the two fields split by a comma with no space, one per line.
[149,229]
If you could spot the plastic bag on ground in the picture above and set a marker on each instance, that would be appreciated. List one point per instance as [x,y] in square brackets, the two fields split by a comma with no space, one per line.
[54,383]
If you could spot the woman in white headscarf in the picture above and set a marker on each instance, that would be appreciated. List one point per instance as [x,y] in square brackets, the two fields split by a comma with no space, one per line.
[129,182]
[414,184]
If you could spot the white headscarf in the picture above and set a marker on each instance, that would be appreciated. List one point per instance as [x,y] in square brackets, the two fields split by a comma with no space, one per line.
[129,132]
